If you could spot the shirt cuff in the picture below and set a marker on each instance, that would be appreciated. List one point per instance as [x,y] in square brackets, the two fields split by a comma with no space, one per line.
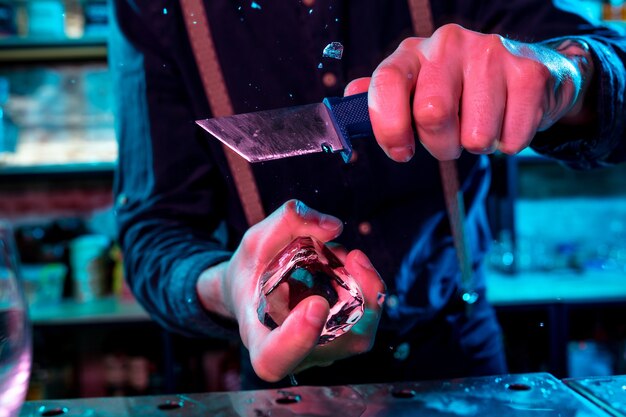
[591,146]
[186,305]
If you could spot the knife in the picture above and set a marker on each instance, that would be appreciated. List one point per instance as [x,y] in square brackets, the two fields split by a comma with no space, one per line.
[329,126]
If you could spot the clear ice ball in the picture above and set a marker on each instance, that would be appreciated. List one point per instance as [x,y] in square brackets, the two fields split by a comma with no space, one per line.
[306,267]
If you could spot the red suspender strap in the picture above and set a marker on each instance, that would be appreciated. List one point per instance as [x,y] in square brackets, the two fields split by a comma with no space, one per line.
[203,48]
[421,18]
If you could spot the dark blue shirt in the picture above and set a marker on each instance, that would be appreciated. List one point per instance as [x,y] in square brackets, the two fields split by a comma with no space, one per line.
[177,207]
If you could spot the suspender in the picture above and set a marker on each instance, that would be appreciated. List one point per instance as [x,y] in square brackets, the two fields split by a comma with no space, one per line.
[421,18]
[215,89]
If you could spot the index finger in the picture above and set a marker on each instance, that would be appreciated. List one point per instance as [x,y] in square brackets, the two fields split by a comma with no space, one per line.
[389,97]
[292,219]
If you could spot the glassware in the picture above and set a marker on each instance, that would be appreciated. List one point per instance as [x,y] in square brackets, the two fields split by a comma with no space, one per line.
[15,332]
[306,267]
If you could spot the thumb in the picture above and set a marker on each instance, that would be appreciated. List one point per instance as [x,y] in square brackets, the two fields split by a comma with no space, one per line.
[288,345]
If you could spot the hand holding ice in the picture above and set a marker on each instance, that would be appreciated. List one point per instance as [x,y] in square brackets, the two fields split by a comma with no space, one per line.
[304,268]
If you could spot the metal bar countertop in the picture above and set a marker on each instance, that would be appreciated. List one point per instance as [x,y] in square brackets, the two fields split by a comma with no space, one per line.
[537,394]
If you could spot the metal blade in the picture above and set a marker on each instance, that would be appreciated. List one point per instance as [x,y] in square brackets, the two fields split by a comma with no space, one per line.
[280,133]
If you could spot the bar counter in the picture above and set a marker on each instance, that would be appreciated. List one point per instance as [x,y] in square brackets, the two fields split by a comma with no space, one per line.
[537,394]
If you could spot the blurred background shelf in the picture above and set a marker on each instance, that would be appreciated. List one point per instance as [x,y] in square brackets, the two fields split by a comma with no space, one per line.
[53,30]
[53,171]
[22,50]
[106,310]
[528,288]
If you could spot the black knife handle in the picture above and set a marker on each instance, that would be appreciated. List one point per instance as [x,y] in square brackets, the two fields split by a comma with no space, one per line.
[351,117]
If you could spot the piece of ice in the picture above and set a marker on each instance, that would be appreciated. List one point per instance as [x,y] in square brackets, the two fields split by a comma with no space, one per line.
[255,5]
[320,66]
[333,50]
[304,268]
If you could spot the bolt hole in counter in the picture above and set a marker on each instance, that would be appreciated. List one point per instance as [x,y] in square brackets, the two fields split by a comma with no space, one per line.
[170,405]
[51,412]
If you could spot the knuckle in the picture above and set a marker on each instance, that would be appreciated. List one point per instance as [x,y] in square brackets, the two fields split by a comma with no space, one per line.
[409,43]
[387,72]
[448,32]
[432,116]
[290,207]
[292,210]
[250,241]
[493,43]
[492,48]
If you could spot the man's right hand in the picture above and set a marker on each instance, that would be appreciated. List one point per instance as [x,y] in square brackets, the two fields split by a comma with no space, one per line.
[230,289]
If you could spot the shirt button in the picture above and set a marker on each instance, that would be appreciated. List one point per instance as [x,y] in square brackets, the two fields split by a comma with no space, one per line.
[365,228]
[392,301]
[402,351]
[308,3]
[122,200]
[329,79]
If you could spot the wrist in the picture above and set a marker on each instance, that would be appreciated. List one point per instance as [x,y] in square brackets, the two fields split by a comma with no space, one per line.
[578,53]
[211,292]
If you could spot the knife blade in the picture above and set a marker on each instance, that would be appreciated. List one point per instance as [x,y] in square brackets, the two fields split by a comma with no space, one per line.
[329,126]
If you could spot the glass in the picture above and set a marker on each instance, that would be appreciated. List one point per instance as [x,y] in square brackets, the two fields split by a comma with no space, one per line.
[306,267]
[15,332]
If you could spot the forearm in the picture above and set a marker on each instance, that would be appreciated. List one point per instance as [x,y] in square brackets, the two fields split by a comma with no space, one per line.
[164,261]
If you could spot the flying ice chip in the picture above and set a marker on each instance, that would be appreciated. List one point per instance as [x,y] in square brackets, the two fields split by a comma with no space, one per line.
[333,50]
